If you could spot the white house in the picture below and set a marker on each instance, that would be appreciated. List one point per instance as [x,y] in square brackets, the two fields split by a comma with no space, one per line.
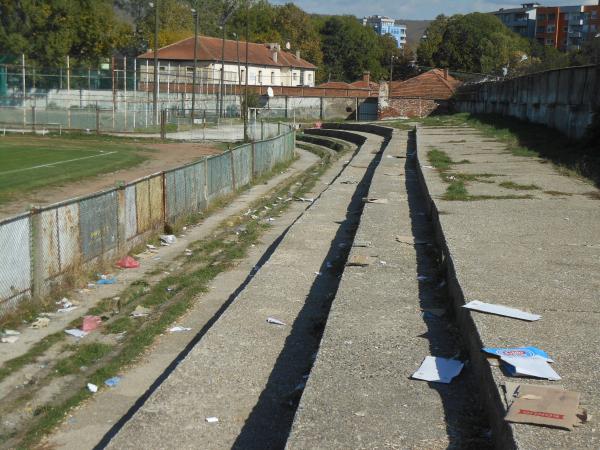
[268,65]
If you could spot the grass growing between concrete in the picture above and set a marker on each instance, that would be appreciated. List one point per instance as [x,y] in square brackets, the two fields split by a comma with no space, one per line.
[571,158]
[519,187]
[457,189]
[168,299]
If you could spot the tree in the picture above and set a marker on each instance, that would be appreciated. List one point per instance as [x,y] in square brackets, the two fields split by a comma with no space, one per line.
[474,42]
[49,30]
[349,49]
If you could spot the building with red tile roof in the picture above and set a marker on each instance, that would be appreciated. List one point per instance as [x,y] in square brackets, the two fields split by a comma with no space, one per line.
[268,64]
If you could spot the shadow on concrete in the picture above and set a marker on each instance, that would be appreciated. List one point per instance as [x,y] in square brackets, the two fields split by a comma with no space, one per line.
[466,424]
[582,156]
[269,424]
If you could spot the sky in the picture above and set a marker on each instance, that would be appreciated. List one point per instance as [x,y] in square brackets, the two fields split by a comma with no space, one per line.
[416,9]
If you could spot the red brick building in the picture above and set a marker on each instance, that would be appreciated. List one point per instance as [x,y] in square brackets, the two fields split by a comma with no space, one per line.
[417,97]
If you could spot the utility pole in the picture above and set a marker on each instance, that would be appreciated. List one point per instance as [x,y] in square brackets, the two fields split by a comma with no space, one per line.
[237,37]
[222,72]
[195,15]
[247,73]
[156,87]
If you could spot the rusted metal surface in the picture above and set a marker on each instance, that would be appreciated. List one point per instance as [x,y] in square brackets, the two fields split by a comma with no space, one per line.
[98,224]
[142,199]
[131,219]
[15,261]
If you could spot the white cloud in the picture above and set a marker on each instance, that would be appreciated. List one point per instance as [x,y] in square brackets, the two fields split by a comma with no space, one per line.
[416,9]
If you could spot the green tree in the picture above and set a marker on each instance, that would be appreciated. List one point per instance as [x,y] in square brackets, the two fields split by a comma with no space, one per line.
[48,30]
[474,42]
[349,49]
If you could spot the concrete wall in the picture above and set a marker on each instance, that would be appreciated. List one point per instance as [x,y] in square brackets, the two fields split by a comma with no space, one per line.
[564,99]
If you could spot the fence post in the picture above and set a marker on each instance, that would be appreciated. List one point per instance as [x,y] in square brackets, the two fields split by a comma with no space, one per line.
[37,257]
[121,218]
[278,128]
[253,160]
[232,170]
[262,129]
[33,119]
[206,181]
[163,124]
[97,119]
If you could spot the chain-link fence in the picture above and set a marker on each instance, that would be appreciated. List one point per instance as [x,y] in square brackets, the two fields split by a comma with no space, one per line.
[40,248]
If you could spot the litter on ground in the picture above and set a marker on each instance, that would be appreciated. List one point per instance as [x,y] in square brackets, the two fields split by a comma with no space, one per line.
[40,322]
[75,332]
[90,323]
[543,405]
[359,261]
[381,201]
[179,329]
[168,239]
[501,310]
[525,361]
[140,311]
[212,419]
[9,339]
[274,321]
[438,370]
[410,240]
[112,382]
[128,262]
[92,387]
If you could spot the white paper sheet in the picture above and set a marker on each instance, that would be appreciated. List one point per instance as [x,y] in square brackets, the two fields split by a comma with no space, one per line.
[438,370]
[532,367]
[501,310]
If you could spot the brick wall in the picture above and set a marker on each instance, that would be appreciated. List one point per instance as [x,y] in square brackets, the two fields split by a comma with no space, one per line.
[411,107]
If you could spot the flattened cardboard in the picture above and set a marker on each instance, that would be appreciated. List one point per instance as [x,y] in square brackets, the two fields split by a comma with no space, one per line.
[410,240]
[541,405]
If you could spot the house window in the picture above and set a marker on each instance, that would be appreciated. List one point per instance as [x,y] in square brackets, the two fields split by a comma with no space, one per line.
[541,29]
[550,29]
[295,77]
[551,17]
[260,77]
[309,77]
[549,42]
[273,78]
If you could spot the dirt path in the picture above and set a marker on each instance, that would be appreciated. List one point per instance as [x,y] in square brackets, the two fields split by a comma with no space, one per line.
[169,155]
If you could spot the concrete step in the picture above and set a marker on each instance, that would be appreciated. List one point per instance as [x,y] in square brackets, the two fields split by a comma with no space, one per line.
[359,394]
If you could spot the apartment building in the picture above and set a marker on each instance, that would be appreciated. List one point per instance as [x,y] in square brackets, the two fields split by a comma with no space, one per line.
[384,25]
[567,27]
[520,20]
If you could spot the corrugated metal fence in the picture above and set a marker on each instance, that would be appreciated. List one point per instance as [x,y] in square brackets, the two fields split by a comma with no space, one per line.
[40,248]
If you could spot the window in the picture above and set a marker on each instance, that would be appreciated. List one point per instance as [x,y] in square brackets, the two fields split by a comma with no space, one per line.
[550,29]
[295,77]
[551,17]
[549,42]
[260,77]
[541,17]
[541,29]
[273,78]
[309,77]
[594,14]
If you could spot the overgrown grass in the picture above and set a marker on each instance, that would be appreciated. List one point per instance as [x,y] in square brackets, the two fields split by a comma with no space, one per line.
[439,159]
[456,191]
[519,187]
[169,298]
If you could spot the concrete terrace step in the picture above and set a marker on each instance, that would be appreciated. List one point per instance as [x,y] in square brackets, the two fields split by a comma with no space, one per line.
[244,370]
[359,394]
[540,254]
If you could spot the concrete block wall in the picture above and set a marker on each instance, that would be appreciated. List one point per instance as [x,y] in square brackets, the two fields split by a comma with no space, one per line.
[565,99]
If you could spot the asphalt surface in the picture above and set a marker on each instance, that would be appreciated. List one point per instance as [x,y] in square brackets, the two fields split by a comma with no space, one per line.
[540,254]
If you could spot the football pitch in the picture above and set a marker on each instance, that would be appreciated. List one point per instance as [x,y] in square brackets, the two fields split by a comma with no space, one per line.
[29,163]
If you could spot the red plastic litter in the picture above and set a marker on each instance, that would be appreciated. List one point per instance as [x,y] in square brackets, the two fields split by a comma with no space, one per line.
[90,323]
[128,263]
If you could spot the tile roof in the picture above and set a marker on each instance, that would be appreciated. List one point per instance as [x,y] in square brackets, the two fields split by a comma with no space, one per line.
[362,84]
[431,84]
[209,49]
[335,85]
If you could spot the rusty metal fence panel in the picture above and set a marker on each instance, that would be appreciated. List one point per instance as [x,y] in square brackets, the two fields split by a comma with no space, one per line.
[242,165]
[98,218]
[42,245]
[219,176]
[15,261]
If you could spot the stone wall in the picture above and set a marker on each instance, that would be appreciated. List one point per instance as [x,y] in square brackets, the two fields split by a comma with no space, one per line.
[411,107]
[564,99]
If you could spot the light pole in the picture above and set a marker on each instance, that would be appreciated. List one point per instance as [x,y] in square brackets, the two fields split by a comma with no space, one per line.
[247,73]
[195,15]
[237,38]
[156,88]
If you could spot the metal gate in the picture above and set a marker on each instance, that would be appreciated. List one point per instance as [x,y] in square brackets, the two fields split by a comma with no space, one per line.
[367,110]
